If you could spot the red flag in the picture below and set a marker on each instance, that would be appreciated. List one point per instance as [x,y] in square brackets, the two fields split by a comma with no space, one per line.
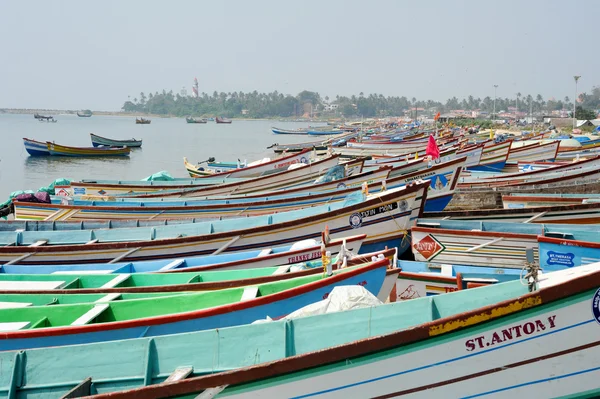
[437,116]
[432,148]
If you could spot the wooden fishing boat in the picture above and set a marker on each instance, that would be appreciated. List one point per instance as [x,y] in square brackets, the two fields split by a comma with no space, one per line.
[62,150]
[287,178]
[483,243]
[38,116]
[84,114]
[301,251]
[494,156]
[27,288]
[48,120]
[160,314]
[318,145]
[302,131]
[35,148]
[142,121]
[196,120]
[534,200]
[324,132]
[384,217]
[254,169]
[99,141]
[532,344]
[222,120]
[535,152]
[211,208]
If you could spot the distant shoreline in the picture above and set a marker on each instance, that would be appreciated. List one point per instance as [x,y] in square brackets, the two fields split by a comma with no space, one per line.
[27,111]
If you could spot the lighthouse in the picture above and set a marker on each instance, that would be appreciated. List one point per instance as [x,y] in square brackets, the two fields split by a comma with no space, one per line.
[195,88]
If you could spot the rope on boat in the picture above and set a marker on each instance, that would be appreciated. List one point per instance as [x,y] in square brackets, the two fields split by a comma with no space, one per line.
[532,268]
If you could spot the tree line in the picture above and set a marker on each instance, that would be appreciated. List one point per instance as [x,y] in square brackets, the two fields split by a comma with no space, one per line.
[275,104]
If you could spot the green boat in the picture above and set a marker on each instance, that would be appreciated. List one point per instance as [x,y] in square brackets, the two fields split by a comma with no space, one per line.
[97,319]
[452,345]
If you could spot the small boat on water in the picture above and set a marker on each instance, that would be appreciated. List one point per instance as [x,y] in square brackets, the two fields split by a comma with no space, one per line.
[48,120]
[99,141]
[142,121]
[84,114]
[38,116]
[66,151]
[471,343]
[35,148]
[196,120]
[218,119]
[302,131]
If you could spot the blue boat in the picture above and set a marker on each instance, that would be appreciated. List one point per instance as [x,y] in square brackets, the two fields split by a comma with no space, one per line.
[45,326]
[301,131]
[570,248]
[36,148]
[314,132]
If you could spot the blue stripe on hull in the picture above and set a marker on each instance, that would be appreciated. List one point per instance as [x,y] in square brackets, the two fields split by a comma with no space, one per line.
[492,167]
[438,204]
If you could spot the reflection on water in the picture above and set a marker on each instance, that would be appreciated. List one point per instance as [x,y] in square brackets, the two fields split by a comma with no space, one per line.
[165,142]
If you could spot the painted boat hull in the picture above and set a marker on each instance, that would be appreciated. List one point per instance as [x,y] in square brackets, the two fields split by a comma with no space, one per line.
[61,150]
[35,148]
[99,141]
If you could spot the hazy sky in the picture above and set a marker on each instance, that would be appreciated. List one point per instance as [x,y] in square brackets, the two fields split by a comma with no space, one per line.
[84,54]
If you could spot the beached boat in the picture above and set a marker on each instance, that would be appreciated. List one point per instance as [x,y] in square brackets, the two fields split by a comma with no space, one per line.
[142,121]
[99,141]
[302,131]
[384,217]
[494,157]
[254,169]
[35,148]
[161,314]
[218,119]
[204,187]
[66,151]
[500,339]
[196,120]
[24,288]
[301,251]
[534,200]
[534,152]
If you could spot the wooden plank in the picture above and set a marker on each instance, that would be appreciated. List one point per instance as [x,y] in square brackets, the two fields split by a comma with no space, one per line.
[51,216]
[39,243]
[12,305]
[20,258]
[173,265]
[539,215]
[157,215]
[180,373]
[90,314]
[109,297]
[249,293]
[95,240]
[485,244]
[82,389]
[14,326]
[126,254]
[282,270]
[210,393]
[116,281]
[265,252]
[227,245]
[16,285]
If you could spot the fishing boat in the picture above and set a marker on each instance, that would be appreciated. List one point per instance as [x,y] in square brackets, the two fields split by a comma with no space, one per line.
[471,343]
[222,120]
[571,248]
[202,187]
[48,120]
[38,116]
[107,319]
[535,152]
[99,141]
[301,131]
[35,148]
[255,169]
[142,121]
[324,132]
[534,200]
[189,119]
[384,217]
[66,151]
[494,156]
[84,114]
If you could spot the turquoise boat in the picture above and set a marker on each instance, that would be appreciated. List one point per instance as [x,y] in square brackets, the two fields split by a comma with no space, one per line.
[495,339]
[155,314]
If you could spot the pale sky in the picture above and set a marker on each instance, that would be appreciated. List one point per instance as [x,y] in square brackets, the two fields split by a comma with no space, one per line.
[84,54]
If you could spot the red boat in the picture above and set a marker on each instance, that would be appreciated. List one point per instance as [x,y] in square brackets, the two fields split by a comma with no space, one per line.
[222,120]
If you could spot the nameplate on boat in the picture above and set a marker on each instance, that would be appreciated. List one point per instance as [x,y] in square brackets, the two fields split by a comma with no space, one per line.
[596,306]
[428,247]
[356,219]
[561,258]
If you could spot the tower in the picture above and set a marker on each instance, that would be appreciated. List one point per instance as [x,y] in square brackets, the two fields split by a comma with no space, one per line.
[195,88]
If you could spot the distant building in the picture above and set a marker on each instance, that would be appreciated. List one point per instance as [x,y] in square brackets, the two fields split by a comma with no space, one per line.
[245,112]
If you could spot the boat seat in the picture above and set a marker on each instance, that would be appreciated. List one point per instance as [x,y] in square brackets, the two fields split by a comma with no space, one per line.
[12,305]
[249,293]
[15,285]
[116,281]
[264,252]
[108,297]
[173,265]
[39,243]
[282,270]
[14,326]
[180,373]
[90,315]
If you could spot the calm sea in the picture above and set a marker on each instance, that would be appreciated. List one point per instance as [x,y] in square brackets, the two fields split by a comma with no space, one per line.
[166,142]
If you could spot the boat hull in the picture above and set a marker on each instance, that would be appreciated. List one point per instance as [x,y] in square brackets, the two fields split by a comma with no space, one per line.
[36,148]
